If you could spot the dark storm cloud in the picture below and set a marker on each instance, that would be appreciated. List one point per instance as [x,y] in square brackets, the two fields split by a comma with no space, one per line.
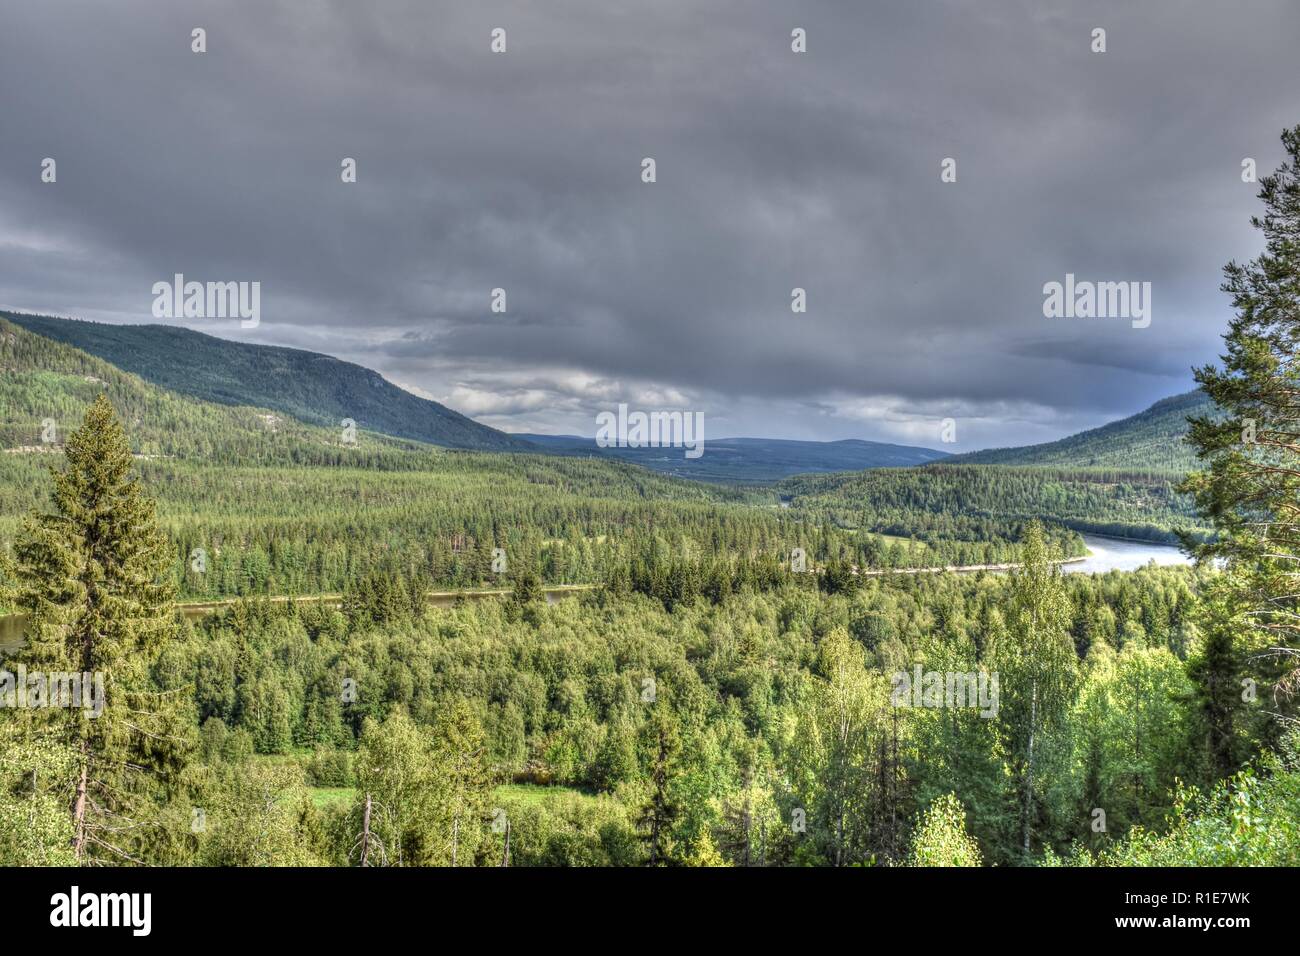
[776,170]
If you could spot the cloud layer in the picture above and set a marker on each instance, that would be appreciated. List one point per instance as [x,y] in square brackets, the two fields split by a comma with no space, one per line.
[776,170]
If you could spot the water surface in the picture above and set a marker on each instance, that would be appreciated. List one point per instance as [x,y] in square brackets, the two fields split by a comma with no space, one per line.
[1114,554]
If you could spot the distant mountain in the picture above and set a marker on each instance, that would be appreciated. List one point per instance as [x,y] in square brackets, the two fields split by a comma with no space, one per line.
[1150,441]
[750,460]
[311,387]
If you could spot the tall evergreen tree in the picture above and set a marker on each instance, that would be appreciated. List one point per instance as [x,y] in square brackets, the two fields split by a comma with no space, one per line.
[90,575]
[663,744]
[1216,671]
[1250,489]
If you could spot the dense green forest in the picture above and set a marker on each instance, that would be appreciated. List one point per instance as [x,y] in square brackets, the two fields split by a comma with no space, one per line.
[1151,440]
[965,503]
[277,506]
[753,724]
[696,708]
[704,705]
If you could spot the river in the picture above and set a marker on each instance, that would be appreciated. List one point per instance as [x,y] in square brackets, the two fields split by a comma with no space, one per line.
[1114,554]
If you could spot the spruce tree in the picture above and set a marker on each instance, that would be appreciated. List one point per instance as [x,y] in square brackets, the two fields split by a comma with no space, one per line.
[1250,487]
[90,574]
[1216,671]
[661,738]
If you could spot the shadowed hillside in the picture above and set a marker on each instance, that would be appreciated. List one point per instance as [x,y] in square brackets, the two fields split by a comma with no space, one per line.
[1151,440]
[311,387]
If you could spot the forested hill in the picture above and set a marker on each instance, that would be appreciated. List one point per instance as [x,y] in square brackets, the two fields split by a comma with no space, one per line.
[747,461]
[313,388]
[46,386]
[1151,441]
[320,390]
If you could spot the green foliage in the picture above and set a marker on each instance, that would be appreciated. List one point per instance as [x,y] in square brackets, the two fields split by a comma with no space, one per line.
[1132,736]
[754,687]
[421,797]
[941,838]
[1218,670]
[257,813]
[90,577]
[661,744]
[569,828]
[1251,452]
[835,749]
[1251,820]
[1150,440]
[1037,664]
[36,773]
[976,514]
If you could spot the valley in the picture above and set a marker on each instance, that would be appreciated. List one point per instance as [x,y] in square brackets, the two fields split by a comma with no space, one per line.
[572,612]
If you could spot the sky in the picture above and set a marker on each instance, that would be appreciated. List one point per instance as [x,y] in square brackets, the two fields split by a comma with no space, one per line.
[522,170]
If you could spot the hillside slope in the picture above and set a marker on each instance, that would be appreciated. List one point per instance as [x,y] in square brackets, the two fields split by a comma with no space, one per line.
[282,507]
[944,502]
[1150,440]
[311,387]
[45,387]
[751,460]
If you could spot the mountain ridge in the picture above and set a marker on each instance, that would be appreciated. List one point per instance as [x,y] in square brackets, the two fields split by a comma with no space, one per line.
[312,387]
[46,386]
[321,390]
[752,460]
[1150,439]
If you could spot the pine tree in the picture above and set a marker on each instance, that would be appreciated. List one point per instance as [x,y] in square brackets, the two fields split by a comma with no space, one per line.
[662,741]
[526,588]
[89,575]
[1216,670]
[1250,489]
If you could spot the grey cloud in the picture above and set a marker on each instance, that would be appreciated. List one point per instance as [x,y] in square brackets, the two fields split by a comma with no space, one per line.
[776,170]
